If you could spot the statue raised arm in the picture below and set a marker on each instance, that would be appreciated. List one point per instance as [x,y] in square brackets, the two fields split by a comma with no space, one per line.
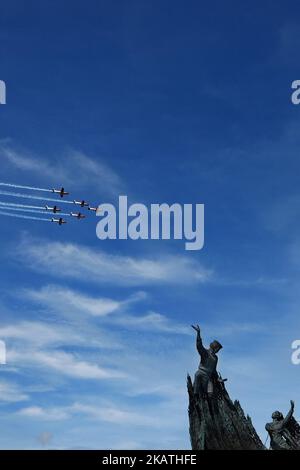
[199,345]
[207,371]
[279,431]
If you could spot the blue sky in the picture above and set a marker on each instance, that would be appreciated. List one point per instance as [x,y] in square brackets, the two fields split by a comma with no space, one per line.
[164,102]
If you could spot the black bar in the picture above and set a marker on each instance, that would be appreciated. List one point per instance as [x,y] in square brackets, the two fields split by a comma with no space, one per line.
[137,458]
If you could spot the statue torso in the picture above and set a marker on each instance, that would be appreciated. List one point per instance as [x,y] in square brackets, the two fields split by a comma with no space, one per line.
[276,432]
[208,363]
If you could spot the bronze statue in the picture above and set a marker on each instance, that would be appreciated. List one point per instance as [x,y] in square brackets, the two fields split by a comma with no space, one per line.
[215,421]
[284,432]
[206,374]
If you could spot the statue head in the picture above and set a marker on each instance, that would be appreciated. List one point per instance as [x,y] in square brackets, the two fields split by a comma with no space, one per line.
[215,346]
[277,416]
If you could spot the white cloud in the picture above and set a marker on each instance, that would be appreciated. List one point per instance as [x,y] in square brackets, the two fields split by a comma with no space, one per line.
[80,262]
[235,329]
[34,345]
[40,334]
[112,414]
[64,363]
[51,414]
[97,173]
[152,321]
[10,392]
[25,162]
[71,168]
[102,412]
[62,299]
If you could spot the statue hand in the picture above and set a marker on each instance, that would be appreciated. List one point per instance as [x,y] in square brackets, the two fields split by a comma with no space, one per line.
[196,328]
[292,404]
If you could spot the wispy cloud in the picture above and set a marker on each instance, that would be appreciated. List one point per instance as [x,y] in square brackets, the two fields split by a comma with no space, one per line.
[38,345]
[64,299]
[81,262]
[152,321]
[112,414]
[64,363]
[72,167]
[25,162]
[50,414]
[235,329]
[40,334]
[97,173]
[102,412]
[68,302]
[10,392]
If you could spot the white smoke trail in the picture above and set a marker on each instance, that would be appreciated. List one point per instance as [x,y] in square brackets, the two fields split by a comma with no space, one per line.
[27,196]
[24,217]
[35,211]
[25,206]
[32,188]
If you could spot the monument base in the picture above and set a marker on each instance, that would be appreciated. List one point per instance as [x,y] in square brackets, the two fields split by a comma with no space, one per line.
[217,423]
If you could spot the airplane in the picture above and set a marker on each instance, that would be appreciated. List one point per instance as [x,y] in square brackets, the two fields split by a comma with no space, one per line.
[95,209]
[81,203]
[53,209]
[61,192]
[59,221]
[78,215]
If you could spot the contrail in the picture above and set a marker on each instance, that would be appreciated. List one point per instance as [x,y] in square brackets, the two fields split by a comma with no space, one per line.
[27,196]
[12,204]
[25,217]
[35,211]
[32,188]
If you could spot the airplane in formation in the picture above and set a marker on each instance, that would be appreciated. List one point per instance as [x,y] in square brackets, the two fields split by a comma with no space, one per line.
[59,221]
[78,215]
[53,209]
[61,192]
[81,203]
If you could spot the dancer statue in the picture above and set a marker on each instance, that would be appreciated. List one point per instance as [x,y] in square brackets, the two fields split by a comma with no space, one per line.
[284,432]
